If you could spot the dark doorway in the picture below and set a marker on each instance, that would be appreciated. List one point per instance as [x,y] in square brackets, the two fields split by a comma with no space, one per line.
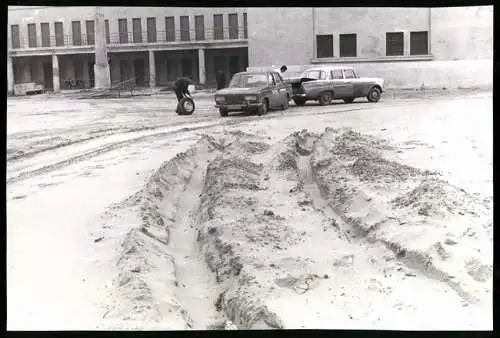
[123,70]
[91,74]
[220,65]
[139,72]
[187,67]
[47,75]
[234,66]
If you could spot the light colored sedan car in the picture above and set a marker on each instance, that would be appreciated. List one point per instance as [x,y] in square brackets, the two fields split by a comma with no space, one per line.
[327,83]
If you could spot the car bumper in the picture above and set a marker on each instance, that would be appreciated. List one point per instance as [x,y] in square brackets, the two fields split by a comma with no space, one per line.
[241,106]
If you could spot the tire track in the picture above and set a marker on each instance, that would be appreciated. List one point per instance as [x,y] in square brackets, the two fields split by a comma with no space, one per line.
[235,120]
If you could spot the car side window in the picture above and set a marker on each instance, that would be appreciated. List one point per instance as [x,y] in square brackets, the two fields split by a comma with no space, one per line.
[270,79]
[336,74]
[349,74]
[277,78]
[322,75]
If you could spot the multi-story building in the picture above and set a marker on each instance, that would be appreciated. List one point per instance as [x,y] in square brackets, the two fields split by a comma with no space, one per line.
[148,46]
[410,47]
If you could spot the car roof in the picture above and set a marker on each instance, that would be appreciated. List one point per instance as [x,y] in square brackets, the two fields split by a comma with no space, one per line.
[326,68]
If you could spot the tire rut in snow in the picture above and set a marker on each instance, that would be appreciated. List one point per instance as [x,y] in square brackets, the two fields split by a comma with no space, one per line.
[245,221]
[419,216]
[117,145]
[148,290]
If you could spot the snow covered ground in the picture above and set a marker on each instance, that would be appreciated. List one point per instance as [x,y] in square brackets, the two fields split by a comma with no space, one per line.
[108,227]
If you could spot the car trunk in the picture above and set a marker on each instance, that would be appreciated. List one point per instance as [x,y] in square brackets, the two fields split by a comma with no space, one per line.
[297,84]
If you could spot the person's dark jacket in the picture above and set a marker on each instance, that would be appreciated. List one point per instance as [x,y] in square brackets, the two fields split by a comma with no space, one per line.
[181,85]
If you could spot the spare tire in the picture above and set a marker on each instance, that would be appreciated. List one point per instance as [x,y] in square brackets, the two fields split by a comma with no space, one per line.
[186,106]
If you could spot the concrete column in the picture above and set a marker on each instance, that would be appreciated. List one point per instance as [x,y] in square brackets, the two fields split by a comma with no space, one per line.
[55,72]
[39,73]
[406,43]
[336,45]
[201,66]
[10,76]
[152,69]
[101,67]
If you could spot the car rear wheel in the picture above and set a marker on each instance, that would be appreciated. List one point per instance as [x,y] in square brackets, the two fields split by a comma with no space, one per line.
[349,100]
[285,104]
[299,101]
[374,95]
[223,112]
[263,108]
[325,98]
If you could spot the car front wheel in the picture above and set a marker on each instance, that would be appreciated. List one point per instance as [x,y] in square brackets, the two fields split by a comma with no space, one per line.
[374,95]
[325,98]
[223,112]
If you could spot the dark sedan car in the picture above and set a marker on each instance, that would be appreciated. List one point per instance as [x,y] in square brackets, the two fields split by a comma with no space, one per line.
[254,91]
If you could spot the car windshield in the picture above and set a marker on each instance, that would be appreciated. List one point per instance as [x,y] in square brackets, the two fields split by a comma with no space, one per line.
[248,80]
[312,74]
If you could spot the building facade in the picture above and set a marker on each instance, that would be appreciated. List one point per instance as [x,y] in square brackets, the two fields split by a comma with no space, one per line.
[410,47]
[151,46]
[147,46]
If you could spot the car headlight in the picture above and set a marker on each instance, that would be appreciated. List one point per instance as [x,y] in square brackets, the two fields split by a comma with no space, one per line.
[251,98]
[220,99]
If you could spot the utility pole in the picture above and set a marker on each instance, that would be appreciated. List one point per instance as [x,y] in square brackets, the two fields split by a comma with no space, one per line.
[101,67]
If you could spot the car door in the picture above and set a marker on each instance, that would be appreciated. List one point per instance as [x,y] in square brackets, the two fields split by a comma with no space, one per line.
[349,78]
[280,86]
[274,96]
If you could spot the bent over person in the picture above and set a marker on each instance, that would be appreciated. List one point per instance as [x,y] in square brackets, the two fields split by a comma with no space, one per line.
[180,87]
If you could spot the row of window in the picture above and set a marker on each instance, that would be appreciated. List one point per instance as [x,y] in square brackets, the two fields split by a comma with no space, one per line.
[394,44]
[136,37]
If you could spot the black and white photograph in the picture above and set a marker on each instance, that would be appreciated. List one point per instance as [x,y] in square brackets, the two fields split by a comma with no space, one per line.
[249,168]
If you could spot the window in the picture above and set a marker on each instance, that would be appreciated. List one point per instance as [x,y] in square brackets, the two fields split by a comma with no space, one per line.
[32,35]
[123,30]
[233,26]
[315,74]
[199,27]
[14,34]
[59,32]
[394,44]
[151,25]
[77,33]
[169,28]
[349,74]
[419,43]
[106,25]
[324,46]
[245,26]
[184,26]
[270,78]
[348,45]
[90,28]
[218,27]
[336,74]
[45,28]
[277,78]
[137,30]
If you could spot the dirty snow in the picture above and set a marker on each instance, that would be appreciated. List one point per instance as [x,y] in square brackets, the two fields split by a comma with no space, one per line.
[123,215]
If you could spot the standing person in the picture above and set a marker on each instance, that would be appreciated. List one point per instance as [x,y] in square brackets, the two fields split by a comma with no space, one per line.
[220,79]
[180,87]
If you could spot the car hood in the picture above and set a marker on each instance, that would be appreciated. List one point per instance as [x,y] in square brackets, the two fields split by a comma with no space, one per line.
[244,91]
